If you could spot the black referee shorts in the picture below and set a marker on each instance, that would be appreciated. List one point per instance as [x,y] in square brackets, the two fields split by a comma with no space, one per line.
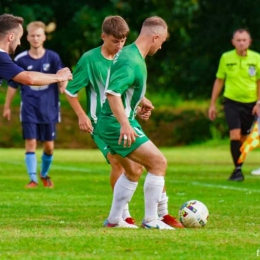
[239,115]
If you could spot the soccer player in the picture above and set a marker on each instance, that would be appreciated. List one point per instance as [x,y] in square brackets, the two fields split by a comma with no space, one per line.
[119,129]
[40,106]
[91,73]
[11,31]
[239,71]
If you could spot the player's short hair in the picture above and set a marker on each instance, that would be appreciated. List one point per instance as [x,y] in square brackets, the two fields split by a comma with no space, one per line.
[36,25]
[241,30]
[116,26]
[154,24]
[9,22]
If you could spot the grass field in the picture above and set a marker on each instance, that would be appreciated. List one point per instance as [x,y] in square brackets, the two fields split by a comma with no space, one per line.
[66,222]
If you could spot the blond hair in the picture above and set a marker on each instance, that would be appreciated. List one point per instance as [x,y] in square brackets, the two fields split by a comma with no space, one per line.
[36,25]
[154,24]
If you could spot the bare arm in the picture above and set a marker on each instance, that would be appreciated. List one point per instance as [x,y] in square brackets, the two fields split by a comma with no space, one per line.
[217,88]
[118,110]
[8,101]
[256,108]
[83,120]
[34,78]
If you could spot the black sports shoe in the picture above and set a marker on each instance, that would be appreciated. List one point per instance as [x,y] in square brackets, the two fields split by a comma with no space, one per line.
[236,175]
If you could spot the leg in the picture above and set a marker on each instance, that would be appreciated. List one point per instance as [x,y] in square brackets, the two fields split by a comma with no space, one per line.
[155,163]
[116,171]
[123,190]
[47,136]
[47,157]
[31,162]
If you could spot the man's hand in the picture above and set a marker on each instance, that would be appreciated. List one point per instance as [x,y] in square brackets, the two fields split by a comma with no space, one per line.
[212,113]
[85,123]
[143,113]
[7,113]
[146,104]
[127,135]
[64,74]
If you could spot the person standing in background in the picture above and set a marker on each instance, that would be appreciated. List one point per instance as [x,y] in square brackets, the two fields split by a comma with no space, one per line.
[40,106]
[239,71]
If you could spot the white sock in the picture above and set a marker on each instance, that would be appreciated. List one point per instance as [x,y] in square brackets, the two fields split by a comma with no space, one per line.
[163,205]
[153,188]
[126,213]
[123,192]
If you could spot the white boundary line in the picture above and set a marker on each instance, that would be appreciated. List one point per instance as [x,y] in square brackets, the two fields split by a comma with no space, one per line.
[225,187]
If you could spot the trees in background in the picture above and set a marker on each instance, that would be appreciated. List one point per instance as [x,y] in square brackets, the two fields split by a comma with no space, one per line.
[199,32]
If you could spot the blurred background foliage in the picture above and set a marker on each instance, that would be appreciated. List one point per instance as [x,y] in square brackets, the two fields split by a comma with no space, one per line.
[200,31]
[182,71]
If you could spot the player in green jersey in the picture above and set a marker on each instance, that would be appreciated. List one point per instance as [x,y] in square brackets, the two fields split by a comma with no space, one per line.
[239,71]
[90,73]
[117,126]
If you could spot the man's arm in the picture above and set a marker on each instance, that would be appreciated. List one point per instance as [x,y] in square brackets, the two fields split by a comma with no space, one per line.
[83,119]
[34,78]
[217,88]
[127,133]
[256,108]
[8,101]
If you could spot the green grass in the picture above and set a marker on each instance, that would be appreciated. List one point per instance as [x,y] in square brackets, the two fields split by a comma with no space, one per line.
[66,222]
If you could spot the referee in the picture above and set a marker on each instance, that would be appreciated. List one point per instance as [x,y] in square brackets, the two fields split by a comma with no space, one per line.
[239,72]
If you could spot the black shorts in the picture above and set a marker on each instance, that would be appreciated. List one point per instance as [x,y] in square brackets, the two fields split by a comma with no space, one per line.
[41,132]
[239,115]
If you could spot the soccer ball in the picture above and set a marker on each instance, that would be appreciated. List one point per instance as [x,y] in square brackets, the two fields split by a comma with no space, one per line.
[193,214]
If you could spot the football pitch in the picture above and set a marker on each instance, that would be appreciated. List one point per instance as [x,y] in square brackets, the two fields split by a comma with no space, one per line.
[66,222]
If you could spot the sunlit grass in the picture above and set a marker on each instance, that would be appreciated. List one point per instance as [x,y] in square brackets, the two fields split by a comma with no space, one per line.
[66,222]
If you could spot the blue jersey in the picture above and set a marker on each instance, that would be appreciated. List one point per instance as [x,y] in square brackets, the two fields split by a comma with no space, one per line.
[39,105]
[8,69]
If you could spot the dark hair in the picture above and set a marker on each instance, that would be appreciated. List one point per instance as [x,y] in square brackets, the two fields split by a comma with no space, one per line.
[9,22]
[241,30]
[116,26]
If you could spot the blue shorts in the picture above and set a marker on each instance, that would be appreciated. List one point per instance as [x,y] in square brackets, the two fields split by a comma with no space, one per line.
[41,132]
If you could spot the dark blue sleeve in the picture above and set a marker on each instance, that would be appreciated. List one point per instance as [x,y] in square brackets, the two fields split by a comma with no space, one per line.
[8,69]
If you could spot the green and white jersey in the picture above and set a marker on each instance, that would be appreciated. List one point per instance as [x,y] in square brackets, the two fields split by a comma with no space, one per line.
[90,73]
[240,74]
[127,79]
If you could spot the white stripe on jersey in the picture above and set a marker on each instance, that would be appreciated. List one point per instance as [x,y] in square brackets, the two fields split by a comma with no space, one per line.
[22,54]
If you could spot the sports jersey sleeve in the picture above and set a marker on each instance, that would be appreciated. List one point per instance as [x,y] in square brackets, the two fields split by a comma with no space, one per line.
[58,63]
[120,80]
[8,69]
[13,84]
[80,78]
[221,74]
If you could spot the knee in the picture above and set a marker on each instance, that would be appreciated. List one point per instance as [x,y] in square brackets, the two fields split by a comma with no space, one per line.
[48,150]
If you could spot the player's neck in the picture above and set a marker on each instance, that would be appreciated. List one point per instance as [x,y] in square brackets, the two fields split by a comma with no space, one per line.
[142,45]
[106,54]
[36,53]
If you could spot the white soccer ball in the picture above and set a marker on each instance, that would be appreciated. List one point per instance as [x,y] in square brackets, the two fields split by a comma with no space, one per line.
[193,214]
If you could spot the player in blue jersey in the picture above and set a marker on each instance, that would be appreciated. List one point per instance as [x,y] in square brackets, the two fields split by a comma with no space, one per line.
[40,106]
[11,31]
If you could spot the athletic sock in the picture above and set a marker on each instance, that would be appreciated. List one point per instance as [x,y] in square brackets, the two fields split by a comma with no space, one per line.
[235,152]
[126,213]
[46,163]
[153,188]
[31,165]
[123,192]
[163,205]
